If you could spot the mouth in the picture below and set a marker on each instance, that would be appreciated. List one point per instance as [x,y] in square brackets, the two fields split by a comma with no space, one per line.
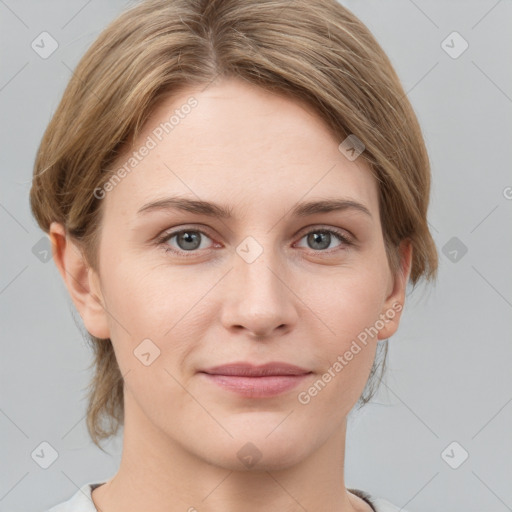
[252,381]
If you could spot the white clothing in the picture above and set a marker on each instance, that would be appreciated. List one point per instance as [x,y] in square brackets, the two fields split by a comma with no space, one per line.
[81,501]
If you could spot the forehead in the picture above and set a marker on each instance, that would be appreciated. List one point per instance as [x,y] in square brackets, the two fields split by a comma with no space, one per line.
[237,144]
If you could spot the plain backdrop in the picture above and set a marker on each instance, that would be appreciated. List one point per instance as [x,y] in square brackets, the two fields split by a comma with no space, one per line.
[447,395]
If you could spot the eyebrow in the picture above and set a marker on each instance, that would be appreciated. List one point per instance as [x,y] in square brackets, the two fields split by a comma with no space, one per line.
[224,212]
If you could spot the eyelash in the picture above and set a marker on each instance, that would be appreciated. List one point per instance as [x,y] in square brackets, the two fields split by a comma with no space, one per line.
[162,241]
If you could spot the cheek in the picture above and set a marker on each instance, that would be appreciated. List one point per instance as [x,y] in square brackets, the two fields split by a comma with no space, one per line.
[347,301]
[151,301]
[148,296]
[347,309]
[150,332]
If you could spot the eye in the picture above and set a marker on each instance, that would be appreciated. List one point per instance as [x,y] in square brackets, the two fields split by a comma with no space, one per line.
[319,239]
[189,241]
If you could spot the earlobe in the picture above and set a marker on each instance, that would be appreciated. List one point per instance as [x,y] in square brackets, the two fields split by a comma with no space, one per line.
[81,281]
[395,301]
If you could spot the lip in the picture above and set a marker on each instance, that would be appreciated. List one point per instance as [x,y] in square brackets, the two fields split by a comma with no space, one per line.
[253,381]
[244,369]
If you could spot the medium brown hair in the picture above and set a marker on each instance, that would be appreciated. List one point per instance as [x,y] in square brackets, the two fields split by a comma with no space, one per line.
[316,51]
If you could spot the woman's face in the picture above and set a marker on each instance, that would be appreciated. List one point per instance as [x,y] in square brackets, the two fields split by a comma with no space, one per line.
[265,284]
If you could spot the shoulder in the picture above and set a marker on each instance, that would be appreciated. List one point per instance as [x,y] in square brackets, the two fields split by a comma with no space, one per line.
[382,505]
[378,504]
[81,501]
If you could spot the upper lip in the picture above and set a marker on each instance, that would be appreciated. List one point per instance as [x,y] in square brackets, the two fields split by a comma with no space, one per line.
[250,370]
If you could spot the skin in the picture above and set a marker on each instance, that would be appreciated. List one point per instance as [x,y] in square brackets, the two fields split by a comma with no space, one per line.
[295,303]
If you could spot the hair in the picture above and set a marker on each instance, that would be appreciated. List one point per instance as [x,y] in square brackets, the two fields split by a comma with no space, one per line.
[315,51]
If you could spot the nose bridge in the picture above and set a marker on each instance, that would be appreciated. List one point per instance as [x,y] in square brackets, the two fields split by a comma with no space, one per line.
[259,300]
[258,263]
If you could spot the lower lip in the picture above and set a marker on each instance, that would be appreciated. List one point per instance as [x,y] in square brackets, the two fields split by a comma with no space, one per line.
[257,387]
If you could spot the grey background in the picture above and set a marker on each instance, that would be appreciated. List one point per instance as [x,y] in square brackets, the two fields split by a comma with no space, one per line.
[448,376]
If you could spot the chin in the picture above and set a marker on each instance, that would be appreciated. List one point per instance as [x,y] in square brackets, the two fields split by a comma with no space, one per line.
[255,450]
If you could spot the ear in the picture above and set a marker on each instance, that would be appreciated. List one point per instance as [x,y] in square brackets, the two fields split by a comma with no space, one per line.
[394,304]
[81,281]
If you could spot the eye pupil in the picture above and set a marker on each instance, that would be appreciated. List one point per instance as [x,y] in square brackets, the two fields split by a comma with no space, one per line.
[188,238]
[317,237]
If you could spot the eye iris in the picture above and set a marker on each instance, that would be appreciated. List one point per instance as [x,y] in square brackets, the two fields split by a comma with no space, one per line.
[316,238]
[188,238]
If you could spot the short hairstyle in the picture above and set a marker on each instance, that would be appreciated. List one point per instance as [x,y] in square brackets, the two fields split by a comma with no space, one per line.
[316,51]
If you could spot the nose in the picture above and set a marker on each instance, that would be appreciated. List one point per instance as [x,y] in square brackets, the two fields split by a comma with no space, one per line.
[259,298]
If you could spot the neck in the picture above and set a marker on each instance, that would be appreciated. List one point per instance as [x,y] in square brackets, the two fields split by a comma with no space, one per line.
[158,473]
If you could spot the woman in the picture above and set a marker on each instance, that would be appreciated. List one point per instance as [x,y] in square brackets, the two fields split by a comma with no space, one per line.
[236,192]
